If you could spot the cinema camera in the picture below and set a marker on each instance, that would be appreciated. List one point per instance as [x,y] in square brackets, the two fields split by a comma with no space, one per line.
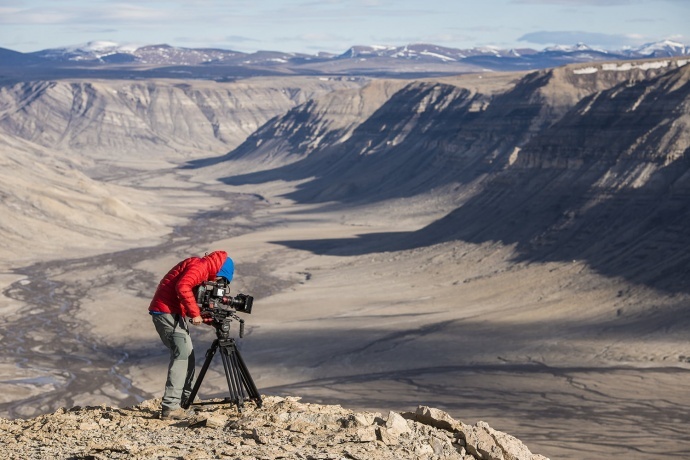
[218,306]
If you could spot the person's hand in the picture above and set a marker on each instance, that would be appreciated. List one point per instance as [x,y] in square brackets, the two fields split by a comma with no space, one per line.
[196,320]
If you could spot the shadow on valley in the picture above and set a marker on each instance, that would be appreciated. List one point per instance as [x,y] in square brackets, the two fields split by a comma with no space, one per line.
[343,350]
[460,366]
[640,235]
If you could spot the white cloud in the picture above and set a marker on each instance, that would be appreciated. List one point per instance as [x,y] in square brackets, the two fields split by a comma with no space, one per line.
[132,13]
[609,41]
[114,13]
[32,16]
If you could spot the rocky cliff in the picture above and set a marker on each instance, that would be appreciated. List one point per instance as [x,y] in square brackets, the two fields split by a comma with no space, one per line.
[607,183]
[171,119]
[281,428]
[430,133]
[579,162]
[304,129]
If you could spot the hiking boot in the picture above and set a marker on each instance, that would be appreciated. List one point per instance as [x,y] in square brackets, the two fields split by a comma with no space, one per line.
[175,414]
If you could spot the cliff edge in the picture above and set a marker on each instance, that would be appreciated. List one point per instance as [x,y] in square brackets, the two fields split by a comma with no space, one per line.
[281,428]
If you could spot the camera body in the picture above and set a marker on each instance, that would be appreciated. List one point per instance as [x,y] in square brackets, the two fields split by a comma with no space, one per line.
[214,296]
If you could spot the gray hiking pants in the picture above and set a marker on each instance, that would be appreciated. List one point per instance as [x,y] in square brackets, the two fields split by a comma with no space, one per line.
[175,336]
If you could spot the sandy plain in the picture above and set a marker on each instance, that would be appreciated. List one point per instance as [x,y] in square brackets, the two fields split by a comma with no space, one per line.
[566,360]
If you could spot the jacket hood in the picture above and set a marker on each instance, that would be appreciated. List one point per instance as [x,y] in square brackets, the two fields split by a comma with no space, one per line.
[214,261]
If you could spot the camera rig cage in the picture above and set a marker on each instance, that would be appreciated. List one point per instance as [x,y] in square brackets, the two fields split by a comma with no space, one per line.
[213,298]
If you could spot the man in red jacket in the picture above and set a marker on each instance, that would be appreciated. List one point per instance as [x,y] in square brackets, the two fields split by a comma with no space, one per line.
[172,304]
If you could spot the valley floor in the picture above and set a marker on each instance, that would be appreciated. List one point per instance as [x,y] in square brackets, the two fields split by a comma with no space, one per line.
[574,364]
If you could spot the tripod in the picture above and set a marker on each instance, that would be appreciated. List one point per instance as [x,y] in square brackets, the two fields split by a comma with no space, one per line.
[240,383]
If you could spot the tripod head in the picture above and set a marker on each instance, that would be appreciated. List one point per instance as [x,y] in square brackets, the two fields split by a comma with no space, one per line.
[222,322]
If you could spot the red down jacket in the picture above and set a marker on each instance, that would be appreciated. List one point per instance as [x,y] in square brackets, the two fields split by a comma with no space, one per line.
[174,294]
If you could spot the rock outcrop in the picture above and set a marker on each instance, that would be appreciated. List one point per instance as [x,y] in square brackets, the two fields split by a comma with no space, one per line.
[172,120]
[575,163]
[431,133]
[281,428]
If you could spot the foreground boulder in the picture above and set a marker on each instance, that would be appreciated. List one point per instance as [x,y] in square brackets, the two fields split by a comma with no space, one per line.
[282,428]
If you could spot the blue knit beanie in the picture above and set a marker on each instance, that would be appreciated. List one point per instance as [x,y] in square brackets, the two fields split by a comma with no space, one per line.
[227,270]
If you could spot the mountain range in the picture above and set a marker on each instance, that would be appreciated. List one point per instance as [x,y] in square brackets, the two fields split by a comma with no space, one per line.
[110,59]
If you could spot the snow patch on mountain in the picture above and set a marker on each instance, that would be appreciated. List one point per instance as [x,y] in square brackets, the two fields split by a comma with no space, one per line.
[627,66]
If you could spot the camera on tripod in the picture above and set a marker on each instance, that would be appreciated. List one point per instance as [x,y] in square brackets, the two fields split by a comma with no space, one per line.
[213,297]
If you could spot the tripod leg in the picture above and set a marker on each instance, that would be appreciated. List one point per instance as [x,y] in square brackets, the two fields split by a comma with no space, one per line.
[234,387]
[209,357]
[245,378]
[240,383]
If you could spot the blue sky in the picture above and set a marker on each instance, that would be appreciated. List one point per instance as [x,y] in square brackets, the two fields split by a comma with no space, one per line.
[309,26]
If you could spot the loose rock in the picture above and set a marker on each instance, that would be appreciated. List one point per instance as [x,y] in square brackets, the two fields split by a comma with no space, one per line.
[281,428]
